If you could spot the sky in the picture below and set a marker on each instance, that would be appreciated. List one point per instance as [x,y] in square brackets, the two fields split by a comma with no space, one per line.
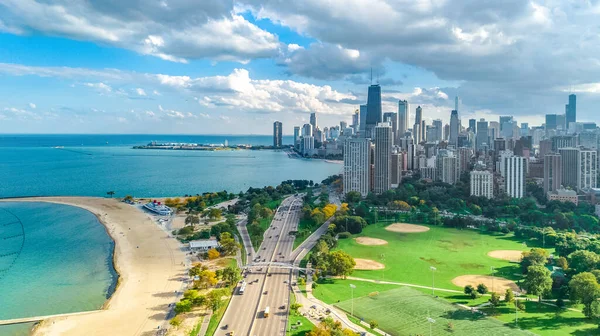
[235,67]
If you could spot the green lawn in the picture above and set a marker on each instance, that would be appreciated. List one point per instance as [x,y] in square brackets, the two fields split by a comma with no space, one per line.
[216,317]
[453,252]
[305,229]
[404,311]
[301,324]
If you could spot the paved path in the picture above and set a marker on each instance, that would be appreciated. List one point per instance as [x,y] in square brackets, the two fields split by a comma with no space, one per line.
[40,318]
[243,230]
[205,323]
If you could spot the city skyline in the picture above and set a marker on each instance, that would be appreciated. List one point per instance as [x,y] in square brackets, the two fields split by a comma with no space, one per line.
[129,70]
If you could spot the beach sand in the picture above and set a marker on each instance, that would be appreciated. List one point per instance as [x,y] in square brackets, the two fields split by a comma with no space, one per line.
[150,267]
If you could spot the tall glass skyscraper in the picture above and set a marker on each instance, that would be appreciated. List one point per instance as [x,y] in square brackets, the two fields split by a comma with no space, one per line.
[403,108]
[373,109]
[571,110]
[454,128]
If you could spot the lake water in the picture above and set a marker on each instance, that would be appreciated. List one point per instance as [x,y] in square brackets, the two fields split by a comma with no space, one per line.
[53,259]
[64,259]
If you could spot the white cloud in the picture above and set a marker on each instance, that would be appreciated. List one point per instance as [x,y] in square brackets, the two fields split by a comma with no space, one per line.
[140,92]
[100,87]
[32,105]
[174,31]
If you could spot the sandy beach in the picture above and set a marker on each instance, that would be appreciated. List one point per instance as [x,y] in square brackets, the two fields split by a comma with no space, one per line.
[150,266]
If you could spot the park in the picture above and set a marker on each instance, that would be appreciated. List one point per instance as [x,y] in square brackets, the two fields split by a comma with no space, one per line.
[410,279]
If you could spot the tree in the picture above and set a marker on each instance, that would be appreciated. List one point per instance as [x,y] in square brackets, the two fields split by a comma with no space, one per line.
[538,281]
[373,324]
[228,244]
[110,193]
[583,261]
[214,213]
[562,263]
[295,306]
[213,254]
[353,197]
[535,257]
[482,289]
[128,198]
[192,220]
[206,278]
[183,306]
[194,271]
[176,321]
[509,296]
[585,289]
[468,289]
[215,298]
[340,263]
[495,299]
[231,274]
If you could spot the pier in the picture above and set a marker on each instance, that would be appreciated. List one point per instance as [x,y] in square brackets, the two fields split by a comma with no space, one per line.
[41,318]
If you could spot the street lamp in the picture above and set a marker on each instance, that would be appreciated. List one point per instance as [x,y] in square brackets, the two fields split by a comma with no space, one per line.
[493,278]
[382,256]
[431,322]
[433,269]
[352,290]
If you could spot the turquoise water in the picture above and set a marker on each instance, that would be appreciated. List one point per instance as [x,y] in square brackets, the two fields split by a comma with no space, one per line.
[53,259]
[37,169]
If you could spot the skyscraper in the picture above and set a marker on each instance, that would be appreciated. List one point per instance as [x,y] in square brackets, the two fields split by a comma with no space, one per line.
[569,166]
[403,108]
[450,170]
[313,121]
[392,118]
[277,136]
[363,121]
[296,134]
[355,121]
[551,121]
[357,165]
[439,128]
[472,125]
[417,131]
[587,169]
[383,152]
[456,103]
[373,109]
[571,110]
[552,172]
[454,128]
[515,168]
[482,140]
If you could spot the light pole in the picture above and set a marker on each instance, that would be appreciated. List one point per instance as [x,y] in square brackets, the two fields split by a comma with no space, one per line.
[492,278]
[431,322]
[352,290]
[382,256]
[433,269]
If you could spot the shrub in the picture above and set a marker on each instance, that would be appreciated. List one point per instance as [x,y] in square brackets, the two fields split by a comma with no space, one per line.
[344,235]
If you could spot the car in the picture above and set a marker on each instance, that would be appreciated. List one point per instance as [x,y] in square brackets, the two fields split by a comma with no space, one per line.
[284,281]
[269,274]
[270,236]
[282,307]
[264,248]
[293,284]
[265,292]
[313,306]
[264,260]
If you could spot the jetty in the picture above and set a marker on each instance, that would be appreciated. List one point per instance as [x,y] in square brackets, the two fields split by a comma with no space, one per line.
[41,318]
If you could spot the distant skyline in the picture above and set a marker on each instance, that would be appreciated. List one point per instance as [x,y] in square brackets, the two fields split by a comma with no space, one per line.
[230,67]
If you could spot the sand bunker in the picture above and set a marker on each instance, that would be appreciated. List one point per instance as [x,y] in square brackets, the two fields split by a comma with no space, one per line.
[406,228]
[370,241]
[499,285]
[367,264]
[510,255]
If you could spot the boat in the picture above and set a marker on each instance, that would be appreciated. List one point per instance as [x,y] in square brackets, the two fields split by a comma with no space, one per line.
[158,208]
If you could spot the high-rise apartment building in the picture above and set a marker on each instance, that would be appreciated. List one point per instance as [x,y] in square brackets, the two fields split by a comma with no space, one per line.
[308,144]
[454,128]
[277,134]
[472,125]
[569,167]
[587,169]
[552,172]
[383,152]
[403,108]
[464,158]
[392,118]
[307,130]
[515,169]
[450,170]
[482,183]
[357,165]
[363,121]
[396,168]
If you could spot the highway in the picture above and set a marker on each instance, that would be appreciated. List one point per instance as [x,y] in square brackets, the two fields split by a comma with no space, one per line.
[245,314]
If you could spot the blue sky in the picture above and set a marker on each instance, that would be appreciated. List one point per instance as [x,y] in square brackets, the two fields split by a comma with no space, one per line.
[229,67]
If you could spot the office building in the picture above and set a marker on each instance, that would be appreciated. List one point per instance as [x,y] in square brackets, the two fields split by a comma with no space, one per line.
[551,122]
[587,169]
[403,108]
[545,148]
[472,125]
[588,140]
[313,121]
[482,140]
[449,173]
[396,169]
[454,128]
[373,109]
[357,165]
[356,121]
[563,195]
[438,130]
[571,110]
[482,183]
[308,145]
[552,172]
[307,130]
[464,159]
[446,132]
[563,141]
[515,168]
[383,152]
[277,134]
[363,121]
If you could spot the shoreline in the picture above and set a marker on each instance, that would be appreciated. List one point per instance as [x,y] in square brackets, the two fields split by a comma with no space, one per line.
[137,290]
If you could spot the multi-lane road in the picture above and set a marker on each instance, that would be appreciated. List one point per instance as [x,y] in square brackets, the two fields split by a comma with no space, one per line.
[267,286]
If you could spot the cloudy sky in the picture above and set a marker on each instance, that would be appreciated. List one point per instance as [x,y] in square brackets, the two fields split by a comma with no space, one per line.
[234,67]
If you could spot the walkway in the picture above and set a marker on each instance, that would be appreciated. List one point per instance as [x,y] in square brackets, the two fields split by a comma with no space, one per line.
[205,323]
[40,318]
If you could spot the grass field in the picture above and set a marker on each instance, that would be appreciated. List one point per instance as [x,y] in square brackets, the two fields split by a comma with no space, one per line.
[404,311]
[301,323]
[453,252]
